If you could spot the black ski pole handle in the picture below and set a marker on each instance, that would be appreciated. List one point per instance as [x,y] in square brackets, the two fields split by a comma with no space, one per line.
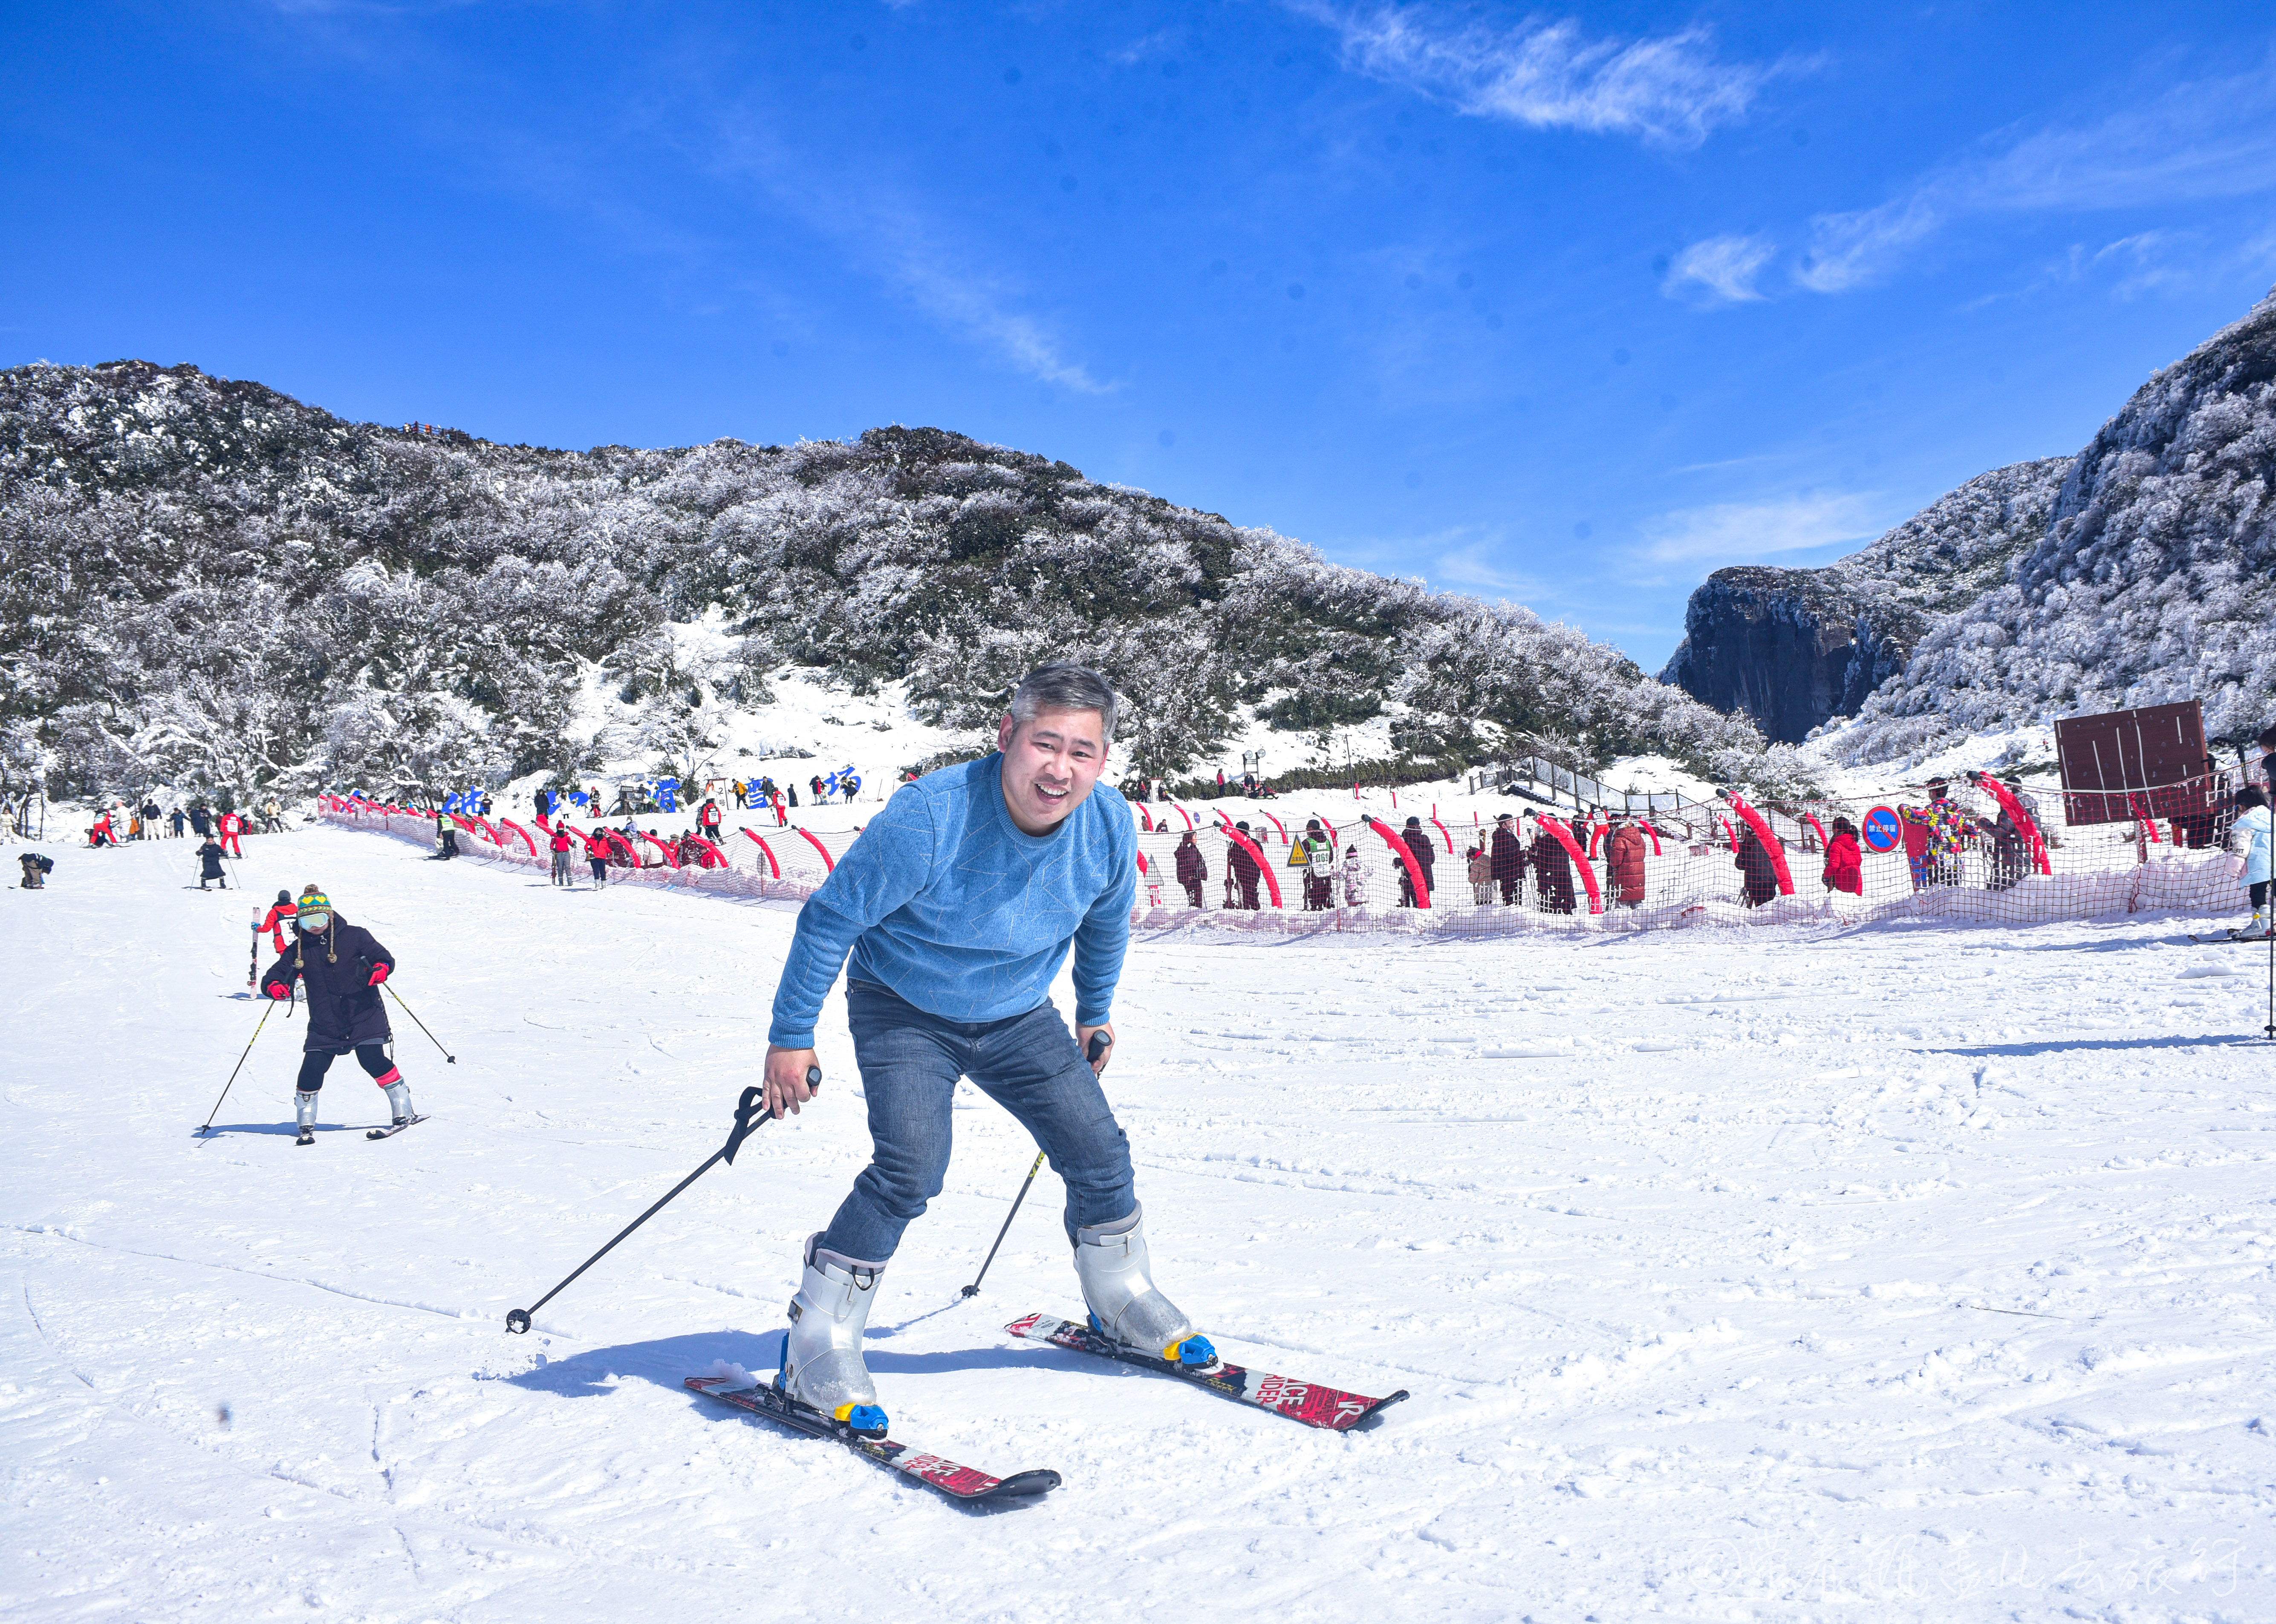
[749,1118]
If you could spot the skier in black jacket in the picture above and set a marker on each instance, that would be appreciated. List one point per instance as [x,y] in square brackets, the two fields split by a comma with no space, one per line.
[342,966]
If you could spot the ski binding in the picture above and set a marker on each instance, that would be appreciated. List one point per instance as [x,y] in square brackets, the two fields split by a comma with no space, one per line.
[392,1128]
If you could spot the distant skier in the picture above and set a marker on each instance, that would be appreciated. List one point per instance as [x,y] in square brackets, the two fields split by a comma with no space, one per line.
[596,857]
[1417,841]
[958,904]
[35,871]
[706,820]
[562,844]
[279,917]
[178,819]
[232,826]
[209,866]
[1845,865]
[2255,831]
[200,820]
[345,1012]
[1192,867]
[1242,870]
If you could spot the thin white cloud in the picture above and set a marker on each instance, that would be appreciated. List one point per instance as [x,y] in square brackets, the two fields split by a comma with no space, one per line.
[897,241]
[1671,91]
[1721,270]
[1726,532]
[2206,140]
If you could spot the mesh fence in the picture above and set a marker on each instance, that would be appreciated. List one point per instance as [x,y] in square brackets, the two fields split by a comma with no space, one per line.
[1698,867]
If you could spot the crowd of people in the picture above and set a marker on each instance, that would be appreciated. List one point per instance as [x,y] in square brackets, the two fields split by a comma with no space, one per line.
[116,823]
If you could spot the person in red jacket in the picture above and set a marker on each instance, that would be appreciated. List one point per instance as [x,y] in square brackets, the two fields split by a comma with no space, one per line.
[232,826]
[1845,867]
[279,917]
[596,857]
[562,844]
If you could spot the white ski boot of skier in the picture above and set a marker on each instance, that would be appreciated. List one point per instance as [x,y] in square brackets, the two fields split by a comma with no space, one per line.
[822,1365]
[1117,1287]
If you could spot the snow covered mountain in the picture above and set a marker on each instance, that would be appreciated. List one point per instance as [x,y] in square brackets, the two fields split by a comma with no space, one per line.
[1793,648]
[2135,572]
[210,584]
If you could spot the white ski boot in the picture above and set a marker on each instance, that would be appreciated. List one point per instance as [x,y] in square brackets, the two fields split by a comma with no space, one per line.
[304,1116]
[399,1100]
[1118,1285]
[822,1365]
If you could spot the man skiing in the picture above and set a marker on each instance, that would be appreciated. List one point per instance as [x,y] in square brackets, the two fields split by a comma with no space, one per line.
[209,866]
[706,820]
[958,904]
[343,966]
[232,826]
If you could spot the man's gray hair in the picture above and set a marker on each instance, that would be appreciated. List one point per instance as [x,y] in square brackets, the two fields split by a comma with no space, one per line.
[1062,685]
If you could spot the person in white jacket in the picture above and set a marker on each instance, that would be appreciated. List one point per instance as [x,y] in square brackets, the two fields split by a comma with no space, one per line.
[2254,833]
[1354,877]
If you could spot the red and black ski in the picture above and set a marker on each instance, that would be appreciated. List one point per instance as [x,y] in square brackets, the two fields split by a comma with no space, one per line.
[1315,1405]
[963,1483]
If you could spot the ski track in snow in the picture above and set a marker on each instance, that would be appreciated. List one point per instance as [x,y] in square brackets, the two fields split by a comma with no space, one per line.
[1914,1274]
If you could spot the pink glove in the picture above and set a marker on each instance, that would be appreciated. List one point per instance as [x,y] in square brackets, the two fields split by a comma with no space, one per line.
[279,989]
[378,975]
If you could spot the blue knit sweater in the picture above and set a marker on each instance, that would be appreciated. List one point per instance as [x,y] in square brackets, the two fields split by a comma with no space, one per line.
[947,902]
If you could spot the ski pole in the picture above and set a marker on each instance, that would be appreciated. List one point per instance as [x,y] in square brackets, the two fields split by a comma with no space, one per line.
[748,1118]
[1034,1168]
[1100,1042]
[239,1067]
[421,1025]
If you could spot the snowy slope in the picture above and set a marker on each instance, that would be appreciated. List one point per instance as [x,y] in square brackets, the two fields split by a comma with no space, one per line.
[1912,1275]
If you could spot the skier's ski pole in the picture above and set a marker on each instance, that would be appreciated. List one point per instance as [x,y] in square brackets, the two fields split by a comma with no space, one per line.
[1100,1042]
[1034,1168]
[421,1025]
[239,1067]
[748,1118]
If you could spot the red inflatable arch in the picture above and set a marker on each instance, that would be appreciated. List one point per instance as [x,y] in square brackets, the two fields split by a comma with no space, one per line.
[507,822]
[714,850]
[1771,842]
[829,863]
[1407,856]
[1443,835]
[1276,824]
[1810,819]
[1271,881]
[775,867]
[1183,814]
[1580,859]
[670,855]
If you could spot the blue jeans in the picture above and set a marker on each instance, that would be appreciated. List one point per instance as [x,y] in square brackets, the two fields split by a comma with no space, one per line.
[1028,1063]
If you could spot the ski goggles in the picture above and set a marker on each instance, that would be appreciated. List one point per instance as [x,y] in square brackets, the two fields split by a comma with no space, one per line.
[314,921]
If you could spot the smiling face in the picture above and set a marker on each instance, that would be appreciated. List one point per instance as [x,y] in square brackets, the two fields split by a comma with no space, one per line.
[1050,765]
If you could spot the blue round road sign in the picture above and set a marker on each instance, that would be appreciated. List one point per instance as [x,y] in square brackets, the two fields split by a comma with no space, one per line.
[1883,832]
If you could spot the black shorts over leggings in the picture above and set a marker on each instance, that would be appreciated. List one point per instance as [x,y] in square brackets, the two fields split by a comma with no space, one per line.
[316,1062]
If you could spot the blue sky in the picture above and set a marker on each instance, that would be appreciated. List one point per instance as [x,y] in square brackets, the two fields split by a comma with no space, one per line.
[1567,306]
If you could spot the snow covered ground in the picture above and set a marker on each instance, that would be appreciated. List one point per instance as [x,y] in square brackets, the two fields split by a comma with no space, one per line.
[1910,1274]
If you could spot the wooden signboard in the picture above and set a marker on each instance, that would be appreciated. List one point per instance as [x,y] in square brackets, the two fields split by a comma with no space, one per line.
[2127,764]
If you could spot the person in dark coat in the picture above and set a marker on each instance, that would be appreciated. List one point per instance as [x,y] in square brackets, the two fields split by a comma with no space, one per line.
[1418,841]
[341,967]
[1754,860]
[1508,857]
[1193,869]
[1845,865]
[200,826]
[1553,872]
[209,866]
[1242,869]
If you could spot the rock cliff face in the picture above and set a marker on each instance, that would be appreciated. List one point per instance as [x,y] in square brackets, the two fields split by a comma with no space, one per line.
[2153,579]
[1792,649]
